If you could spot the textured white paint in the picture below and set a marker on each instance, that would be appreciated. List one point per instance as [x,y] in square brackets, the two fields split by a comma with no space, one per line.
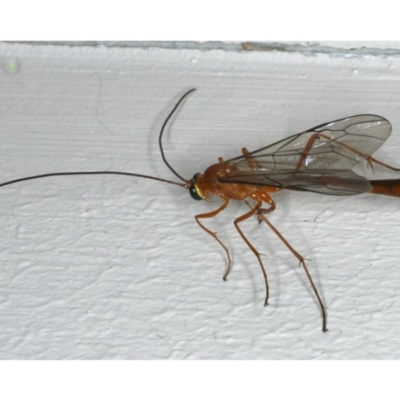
[116,268]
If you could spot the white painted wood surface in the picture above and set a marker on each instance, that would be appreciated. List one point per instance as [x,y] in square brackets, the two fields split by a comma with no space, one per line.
[116,268]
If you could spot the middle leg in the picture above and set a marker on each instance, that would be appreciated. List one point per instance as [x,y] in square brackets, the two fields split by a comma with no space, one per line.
[249,214]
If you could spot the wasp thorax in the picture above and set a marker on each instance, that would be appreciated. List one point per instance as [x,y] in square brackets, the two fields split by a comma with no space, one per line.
[225,171]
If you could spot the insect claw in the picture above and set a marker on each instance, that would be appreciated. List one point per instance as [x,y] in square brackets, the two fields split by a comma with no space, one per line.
[228,270]
[266,296]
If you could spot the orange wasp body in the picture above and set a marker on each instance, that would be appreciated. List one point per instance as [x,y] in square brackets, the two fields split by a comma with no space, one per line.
[318,160]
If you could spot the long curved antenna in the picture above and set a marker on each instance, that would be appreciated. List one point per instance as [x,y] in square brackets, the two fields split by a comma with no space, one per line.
[28,178]
[162,131]
[184,185]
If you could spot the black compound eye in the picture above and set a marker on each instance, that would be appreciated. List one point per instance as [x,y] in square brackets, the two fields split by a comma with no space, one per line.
[192,188]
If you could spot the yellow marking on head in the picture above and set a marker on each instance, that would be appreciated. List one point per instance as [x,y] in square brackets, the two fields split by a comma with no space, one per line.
[199,186]
[199,191]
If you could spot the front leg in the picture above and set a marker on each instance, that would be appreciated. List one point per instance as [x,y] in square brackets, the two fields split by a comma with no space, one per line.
[253,211]
[212,214]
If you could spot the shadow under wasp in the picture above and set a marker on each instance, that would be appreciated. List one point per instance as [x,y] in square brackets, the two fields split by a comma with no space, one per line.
[318,160]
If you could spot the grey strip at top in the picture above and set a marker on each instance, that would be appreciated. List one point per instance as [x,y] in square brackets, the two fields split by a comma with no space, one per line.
[306,49]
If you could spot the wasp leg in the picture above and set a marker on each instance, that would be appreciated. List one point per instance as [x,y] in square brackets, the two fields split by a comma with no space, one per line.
[252,212]
[251,162]
[261,214]
[213,234]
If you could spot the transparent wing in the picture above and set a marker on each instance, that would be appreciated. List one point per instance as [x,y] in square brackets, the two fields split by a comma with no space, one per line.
[319,159]
[334,145]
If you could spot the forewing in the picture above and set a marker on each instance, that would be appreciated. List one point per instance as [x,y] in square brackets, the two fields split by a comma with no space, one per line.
[338,144]
[319,159]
